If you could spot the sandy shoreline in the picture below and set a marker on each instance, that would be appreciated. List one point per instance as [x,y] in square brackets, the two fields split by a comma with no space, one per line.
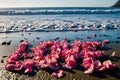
[77,74]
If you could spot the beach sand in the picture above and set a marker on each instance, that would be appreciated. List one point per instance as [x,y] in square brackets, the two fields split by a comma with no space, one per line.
[76,74]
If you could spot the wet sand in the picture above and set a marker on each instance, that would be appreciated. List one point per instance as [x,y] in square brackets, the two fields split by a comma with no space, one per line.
[77,74]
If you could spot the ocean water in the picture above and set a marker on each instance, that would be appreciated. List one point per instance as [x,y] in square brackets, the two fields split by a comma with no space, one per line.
[56,19]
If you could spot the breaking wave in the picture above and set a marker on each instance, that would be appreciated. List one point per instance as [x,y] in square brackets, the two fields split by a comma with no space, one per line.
[48,11]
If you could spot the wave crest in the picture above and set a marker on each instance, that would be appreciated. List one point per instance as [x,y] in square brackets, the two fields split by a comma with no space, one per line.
[46,11]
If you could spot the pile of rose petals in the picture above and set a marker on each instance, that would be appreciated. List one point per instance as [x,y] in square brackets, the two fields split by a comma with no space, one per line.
[55,56]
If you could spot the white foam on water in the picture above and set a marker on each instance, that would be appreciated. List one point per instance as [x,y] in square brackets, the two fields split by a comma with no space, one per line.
[58,22]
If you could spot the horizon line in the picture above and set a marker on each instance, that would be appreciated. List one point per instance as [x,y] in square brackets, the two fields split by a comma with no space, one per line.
[59,7]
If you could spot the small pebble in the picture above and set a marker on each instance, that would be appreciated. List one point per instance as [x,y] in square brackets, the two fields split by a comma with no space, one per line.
[2,61]
[4,56]
[118,37]
[56,38]
[33,40]
[47,31]
[37,38]
[9,43]
[88,37]
[104,35]
[29,33]
[117,42]
[94,35]
[21,41]
[22,34]
[3,43]
[25,38]
[68,40]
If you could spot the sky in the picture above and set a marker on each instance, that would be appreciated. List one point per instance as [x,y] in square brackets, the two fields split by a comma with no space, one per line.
[56,3]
